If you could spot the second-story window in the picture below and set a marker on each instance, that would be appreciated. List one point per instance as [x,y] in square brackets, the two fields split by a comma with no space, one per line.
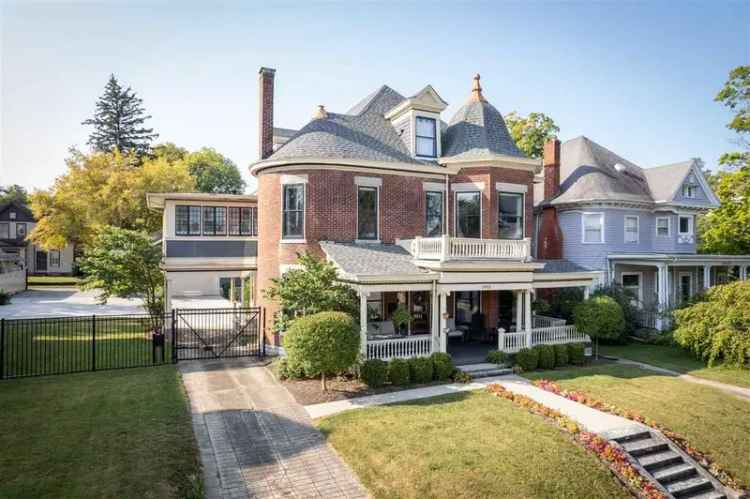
[433,213]
[367,213]
[214,220]
[187,220]
[593,227]
[4,230]
[631,229]
[468,214]
[686,225]
[241,221]
[20,230]
[510,215]
[426,136]
[662,226]
[293,212]
[690,188]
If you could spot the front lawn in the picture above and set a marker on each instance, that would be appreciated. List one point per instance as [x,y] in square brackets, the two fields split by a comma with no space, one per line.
[711,420]
[123,434]
[464,445]
[680,360]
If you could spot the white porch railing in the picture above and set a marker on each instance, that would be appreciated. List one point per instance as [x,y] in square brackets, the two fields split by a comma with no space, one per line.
[545,321]
[463,248]
[555,335]
[402,348]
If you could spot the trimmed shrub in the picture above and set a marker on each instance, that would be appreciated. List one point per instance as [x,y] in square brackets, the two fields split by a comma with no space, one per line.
[600,317]
[546,356]
[576,353]
[561,355]
[322,344]
[398,372]
[374,372]
[420,370]
[460,376]
[4,297]
[717,330]
[496,357]
[442,366]
[528,358]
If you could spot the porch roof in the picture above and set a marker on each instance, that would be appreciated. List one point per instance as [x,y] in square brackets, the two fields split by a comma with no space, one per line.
[694,258]
[360,261]
[559,266]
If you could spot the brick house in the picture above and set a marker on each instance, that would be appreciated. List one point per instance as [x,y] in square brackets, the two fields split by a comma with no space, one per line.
[414,212]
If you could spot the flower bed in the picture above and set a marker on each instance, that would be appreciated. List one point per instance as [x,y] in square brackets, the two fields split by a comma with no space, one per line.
[699,456]
[610,454]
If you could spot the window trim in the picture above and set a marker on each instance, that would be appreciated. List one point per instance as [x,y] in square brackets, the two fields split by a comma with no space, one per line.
[214,209]
[680,275]
[455,212]
[7,227]
[200,220]
[377,213]
[523,213]
[691,222]
[294,239]
[584,214]
[56,260]
[669,226]
[637,229]
[434,139]
[442,211]
[640,283]
[252,215]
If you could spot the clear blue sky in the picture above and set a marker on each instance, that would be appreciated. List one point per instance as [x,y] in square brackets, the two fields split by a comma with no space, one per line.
[637,77]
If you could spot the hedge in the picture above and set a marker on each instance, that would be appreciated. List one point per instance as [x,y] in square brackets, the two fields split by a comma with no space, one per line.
[374,372]
[442,366]
[398,372]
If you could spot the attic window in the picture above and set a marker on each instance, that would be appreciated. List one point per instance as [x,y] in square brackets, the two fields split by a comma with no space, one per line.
[690,188]
[426,135]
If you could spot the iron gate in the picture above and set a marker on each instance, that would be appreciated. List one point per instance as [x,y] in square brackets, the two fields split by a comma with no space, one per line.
[218,333]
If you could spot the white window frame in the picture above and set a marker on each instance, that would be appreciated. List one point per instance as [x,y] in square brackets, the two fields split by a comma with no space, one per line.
[357,187]
[499,193]
[413,121]
[669,226]
[56,261]
[640,283]
[6,226]
[637,229]
[585,214]
[291,182]
[456,192]
[691,222]
[443,221]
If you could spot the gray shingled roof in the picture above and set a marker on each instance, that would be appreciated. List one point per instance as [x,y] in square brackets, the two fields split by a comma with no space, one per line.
[283,132]
[664,180]
[477,131]
[371,259]
[559,266]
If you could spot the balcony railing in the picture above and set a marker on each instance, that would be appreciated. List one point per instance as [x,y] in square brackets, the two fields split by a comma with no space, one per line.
[446,248]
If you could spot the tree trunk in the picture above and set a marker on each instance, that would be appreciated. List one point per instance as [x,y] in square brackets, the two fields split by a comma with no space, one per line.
[323,381]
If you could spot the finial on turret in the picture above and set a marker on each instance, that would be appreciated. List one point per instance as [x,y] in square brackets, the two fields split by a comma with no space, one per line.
[320,113]
[476,89]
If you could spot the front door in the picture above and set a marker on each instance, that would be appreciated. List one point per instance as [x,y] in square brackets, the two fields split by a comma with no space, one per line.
[686,291]
[41,261]
[467,304]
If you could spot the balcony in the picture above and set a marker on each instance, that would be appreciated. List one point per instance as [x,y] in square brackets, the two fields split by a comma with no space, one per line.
[446,248]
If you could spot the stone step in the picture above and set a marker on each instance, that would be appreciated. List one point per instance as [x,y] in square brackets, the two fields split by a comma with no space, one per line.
[643,447]
[675,472]
[689,487]
[711,494]
[629,436]
[659,460]
[484,370]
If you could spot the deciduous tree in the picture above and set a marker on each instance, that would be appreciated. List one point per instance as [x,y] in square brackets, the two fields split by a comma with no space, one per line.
[214,173]
[531,132]
[15,192]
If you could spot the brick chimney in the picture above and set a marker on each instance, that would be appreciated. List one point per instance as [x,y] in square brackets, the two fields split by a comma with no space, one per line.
[265,111]
[549,243]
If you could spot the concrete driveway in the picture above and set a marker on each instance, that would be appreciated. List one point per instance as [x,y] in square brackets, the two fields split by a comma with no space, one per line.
[64,301]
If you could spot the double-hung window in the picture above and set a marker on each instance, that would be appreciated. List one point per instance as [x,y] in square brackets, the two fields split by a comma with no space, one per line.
[54,258]
[187,220]
[214,220]
[593,227]
[241,221]
[468,214]
[690,188]
[510,215]
[631,228]
[293,212]
[426,137]
[433,213]
[662,226]
[685,225]
[4,230]
[367,213]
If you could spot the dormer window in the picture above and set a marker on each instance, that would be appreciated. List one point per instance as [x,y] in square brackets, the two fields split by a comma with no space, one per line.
[426,135]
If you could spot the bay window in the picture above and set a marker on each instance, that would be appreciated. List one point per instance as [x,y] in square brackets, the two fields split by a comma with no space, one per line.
[426,137]
[293,212]
[593,227]
[468,214]
[510,215]
[433,213]
[662,226]
[367,213]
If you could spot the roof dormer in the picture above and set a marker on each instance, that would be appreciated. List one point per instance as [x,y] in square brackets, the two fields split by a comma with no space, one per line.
[417,120]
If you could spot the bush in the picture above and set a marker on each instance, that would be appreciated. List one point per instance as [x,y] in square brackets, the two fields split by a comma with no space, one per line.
[496,357]
[576,354]
[420,370]
[398,372]
[442,366]
[528,358]
[546,356]
[460,376]
[374,372]
[600,317]
[322,344]
[717,330]
[630,310]
[4,297]
[285,370]
[561,355]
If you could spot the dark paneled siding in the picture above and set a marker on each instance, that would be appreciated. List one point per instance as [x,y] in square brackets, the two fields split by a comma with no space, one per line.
[211,249]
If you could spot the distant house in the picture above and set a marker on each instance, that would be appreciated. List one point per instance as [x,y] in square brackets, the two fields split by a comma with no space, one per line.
[16,223]
[635,226]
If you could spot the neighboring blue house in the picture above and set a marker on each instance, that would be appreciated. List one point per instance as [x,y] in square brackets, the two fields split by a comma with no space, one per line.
[635,225]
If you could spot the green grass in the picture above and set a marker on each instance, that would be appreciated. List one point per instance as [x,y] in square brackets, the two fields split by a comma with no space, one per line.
[467,445]
[120,434]
[53,280]
[680,360]
[712,421]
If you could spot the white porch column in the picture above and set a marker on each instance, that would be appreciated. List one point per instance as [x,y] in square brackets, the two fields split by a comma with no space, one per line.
[527,320]
[435,320]
[363,323]
[663,296]
[743,272]
[586,293]
[518,295]
[706,276]
[443,324]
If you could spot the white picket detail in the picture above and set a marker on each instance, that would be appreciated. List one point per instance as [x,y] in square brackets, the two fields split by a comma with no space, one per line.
[402,348]
[557,335]
[540,321]
[465,248]
[510,342]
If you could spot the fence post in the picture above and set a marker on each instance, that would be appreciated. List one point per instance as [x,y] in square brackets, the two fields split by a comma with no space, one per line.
[174,338]
[93,342]
[2,348]
[263,333]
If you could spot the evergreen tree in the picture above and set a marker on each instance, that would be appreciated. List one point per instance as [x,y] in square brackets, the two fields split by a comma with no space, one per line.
[118,121]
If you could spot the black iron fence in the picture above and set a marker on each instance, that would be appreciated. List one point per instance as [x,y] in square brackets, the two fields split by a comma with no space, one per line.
[63,345]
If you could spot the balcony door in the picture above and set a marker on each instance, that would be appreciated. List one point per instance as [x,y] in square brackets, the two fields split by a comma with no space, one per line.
[469,214]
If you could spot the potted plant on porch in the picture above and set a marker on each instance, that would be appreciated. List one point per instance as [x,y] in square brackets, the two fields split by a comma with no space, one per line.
[401,319]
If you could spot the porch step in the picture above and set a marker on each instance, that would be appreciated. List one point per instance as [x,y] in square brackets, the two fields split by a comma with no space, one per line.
[644,447]
[678,471]
[689,487]
[484,370]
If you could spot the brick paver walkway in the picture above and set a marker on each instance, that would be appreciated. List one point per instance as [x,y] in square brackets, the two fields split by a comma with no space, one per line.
[255,440]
